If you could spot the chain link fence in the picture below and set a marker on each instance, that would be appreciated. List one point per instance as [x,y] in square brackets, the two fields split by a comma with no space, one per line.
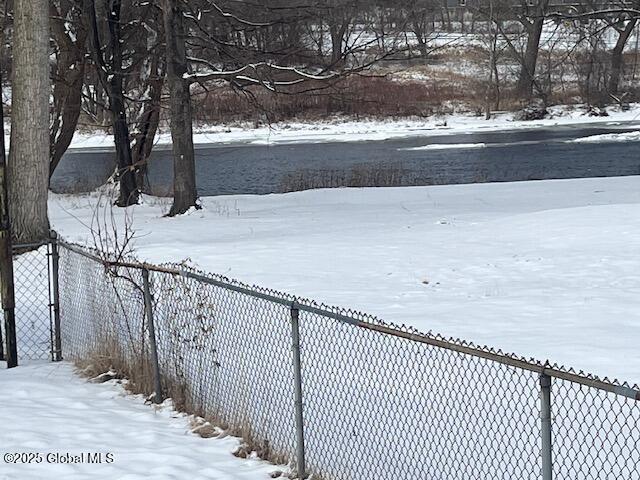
[339,393]
[34,302]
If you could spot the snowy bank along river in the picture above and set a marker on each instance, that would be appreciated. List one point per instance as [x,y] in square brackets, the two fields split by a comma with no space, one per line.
[547,269]
[344,130]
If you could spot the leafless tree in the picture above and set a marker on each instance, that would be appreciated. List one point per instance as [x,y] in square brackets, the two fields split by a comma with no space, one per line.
[69,37]
[28,169]
[110,71]
[623,26]
[493,83]
[420,17]
[532,17]
[185,193]
[250,46]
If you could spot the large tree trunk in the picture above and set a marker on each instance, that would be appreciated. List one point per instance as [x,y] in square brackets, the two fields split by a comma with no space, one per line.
[526,78]
[29,151]
[112,79]
[126,172]
[185,194]
[128,194]
[7,290]
[617,58]
[151,77]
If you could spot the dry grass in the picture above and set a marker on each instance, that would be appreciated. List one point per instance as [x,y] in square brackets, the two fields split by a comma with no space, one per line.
[452,79]
[356,97]
[358,176]
[110,361]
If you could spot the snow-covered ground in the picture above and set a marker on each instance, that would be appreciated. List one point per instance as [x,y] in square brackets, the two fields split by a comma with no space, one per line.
[340,130]
[446,146]
[57,421]
[609,137]
[547,269]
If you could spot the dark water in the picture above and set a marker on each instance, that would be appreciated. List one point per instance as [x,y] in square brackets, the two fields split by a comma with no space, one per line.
[259,169]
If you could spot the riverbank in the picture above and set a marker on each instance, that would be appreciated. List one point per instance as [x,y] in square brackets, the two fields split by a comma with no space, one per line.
[345,129]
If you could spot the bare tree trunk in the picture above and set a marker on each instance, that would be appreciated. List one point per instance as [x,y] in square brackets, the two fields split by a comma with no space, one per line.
[338,32]
[28,170]
[67,105]
[147,125]
[128,194]
[185,194]
[528,68]
[112,79]
[526,79]
[446,10]
[496,73]
[126,173]
[7,290]
[419,30]
[617,57]
[493,67]
[67,88]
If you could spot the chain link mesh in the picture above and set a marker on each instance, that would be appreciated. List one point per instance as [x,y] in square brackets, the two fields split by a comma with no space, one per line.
[376,403]
[596,433]
[222,355]
[380,406]
[229,355]
[32,302]
[103,315]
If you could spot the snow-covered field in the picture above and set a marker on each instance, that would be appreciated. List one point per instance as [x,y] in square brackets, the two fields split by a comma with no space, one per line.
[58,422]
[547,269]
[341,130]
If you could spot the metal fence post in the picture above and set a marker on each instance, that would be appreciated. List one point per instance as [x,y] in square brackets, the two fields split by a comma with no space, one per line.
[1,344]
[55,300]
[545,418]
[148,307]
[297,375]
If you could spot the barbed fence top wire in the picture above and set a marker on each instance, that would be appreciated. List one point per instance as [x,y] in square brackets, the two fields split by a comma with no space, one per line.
[367,321]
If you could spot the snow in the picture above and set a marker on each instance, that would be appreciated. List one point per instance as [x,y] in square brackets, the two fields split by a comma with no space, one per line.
[57,414]
[341,130]
[344,128]
[546,269]
[32,285]
[555,36]
[7,94]
[446,146]
[609,137]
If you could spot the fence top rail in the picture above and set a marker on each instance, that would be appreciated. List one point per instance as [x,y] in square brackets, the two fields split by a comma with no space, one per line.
[369,322]
[29,246]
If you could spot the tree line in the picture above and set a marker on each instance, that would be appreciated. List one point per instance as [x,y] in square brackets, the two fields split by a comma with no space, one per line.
[131,63]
